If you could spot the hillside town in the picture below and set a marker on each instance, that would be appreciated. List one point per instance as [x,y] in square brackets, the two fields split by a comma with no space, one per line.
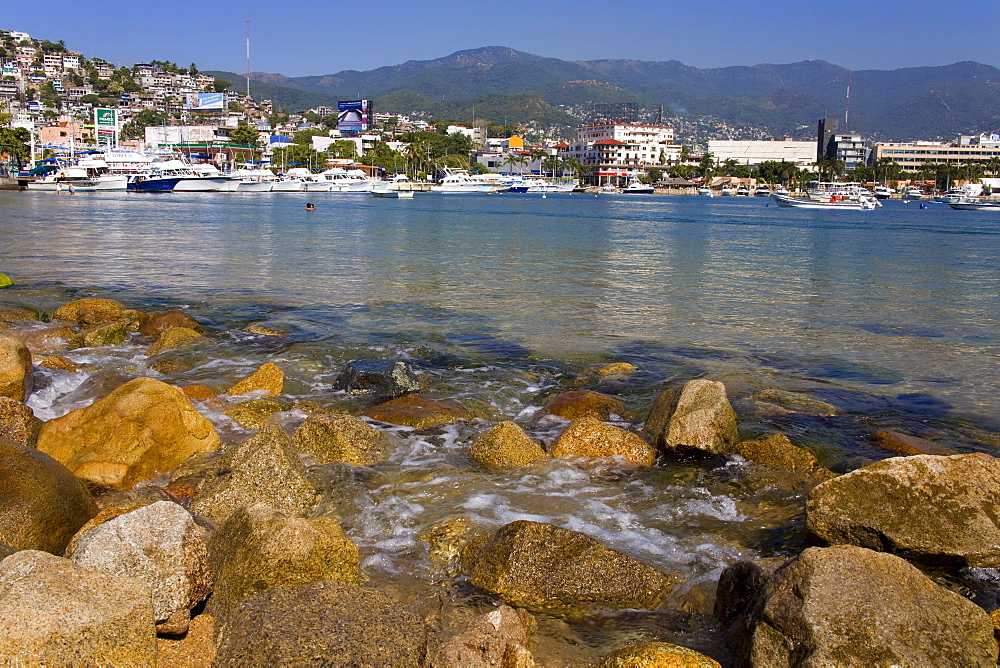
[52,94]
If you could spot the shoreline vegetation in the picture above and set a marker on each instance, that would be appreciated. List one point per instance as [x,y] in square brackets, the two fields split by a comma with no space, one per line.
[137,531]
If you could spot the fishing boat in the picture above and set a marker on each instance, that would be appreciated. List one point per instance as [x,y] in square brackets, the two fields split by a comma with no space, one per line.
[865,204]
[823,191]
[973,204]
[339,180]
[636,187]
[253,179]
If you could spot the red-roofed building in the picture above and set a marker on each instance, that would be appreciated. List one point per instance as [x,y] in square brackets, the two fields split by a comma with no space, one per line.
[617,152]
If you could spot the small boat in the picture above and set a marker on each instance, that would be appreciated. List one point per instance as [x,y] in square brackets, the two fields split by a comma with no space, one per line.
[973,204]
[882,192]
[705,191]
[727,192]
[913,192]
[393,194]
[456,181]
[762,191]
[743,191]
[780,190]
[636,187]
[86,175]
[865,204]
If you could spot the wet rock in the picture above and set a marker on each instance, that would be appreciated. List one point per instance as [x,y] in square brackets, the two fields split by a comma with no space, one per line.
[382,378]
[269,379]
[797,402]
[264,468]
[657,655]
[159,323]
[108,334]
[328,437]
[584,403]
[617,369]
[267,329]
[590,438]
[414,410]
[159,545]
[5,551]
[485,642]
[905,444]
[933,509]
[5,281]
[847,605]
[44,339]
[12,313]
[776,451]
[697,418]
[445,541]
[92,312]
[253,414]
[18,422]
[117,504]
[506,445]
[53,612]
[198,392]
[16,375]
[740,583]
[544,568]
[42,504]
[58,362]
[259,548]
[143,428]
[172,338]
[334,623]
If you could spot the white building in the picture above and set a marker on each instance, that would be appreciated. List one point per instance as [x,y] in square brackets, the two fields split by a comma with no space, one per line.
[754,152]
[620,150]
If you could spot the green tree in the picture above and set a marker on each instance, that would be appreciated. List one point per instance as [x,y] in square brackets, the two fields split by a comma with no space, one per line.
[220,85]
[685,153]
[136,127]
[244,135]
[706,167]
[655,174]
[91,99]
[343,148]
[682,171]
[13,141]
[304,137]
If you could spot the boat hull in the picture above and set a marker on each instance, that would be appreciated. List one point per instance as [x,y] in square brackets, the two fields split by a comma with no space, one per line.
[154,185]
[975,206]
[846,205]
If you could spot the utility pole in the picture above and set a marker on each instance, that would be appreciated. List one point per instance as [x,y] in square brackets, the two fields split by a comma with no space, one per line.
[248,57]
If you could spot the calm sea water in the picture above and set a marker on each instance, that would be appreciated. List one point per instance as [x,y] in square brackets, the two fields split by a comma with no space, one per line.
[890,318]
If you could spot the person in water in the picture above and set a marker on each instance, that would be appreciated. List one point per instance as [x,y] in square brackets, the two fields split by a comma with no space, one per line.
[310,207]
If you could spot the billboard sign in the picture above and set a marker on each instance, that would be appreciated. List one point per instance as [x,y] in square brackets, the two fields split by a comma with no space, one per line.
[353,117]
[106,126]
[205,101]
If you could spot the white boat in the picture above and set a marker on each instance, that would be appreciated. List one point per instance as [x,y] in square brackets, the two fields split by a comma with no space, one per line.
[255,179]
[882,192]
[727,192]
[865,204]
[203,178]
[456,181]
[87,175]
[636,187]
[823,191]
[743,191]
[292,182]
[781,190]
[392,194]
[913,192]
[762,191]
[973,204]
[705,191]
[338,180]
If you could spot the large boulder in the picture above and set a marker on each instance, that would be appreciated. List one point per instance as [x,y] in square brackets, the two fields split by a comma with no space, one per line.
[92,312]
[584,403]
[259,548]
[161,322]
[487,640]
[16,379]
[253,414]
[593,439]
[696,419]
[42,504]
[776,451]
[143,428]
[327,438]
[506,445]
[264,468]
[417,411]
[55,613]
[328,623]
[934,509]
[173,338]
[382,378]
[159,545]
[847,605]
[109,334]
[545,568]
[268,380]
[18,422]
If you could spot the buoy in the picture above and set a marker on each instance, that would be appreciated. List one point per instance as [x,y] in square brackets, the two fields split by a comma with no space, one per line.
[544,195]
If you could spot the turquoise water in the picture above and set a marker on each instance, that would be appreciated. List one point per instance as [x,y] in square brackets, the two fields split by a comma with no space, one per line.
[825,326]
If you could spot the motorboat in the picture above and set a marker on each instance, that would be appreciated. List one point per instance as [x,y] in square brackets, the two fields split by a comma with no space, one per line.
[87,175]
[973,204]
[705,191]
[636,187]
[292,182]
[913,192]
[822,191]
[781,190]
[727,192]
[457,181]
[254,179]
[162,176]
[743,191]
[882,192]
[204,178]
[951,196]
[389,193]
[836,202]
[762,191]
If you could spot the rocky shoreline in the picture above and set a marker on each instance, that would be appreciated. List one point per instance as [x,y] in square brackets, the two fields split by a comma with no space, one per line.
[134,533]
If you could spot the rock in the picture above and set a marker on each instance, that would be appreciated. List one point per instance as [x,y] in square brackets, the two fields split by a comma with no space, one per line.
[57,362]
[267,329]
[161,322]
[617,369]
[797,402]
[330,438]
[16,379]
[108,334]
[937,510]
[253,414]
[776,451]
[382,378]
[42,504]
[12,313]
[264,468]
[847,605]
[159,545]
[995,618]
[198,392]
[328,623]
[268,379]
[740,583]
[506,446]
[5,281]
[445,541]
[587,437]
[92,312]
[584,403]
[44,339]
[909,445]
[195,649]
[143,428]
[174,337]
[414,410]
[5,551]
[18,422]
[544,568]
[485,642]
[657,655]
[697,419]
[53,612]
[259,548]
[113,507]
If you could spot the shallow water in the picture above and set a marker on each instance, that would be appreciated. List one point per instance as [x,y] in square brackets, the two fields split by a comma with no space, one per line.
[823,325]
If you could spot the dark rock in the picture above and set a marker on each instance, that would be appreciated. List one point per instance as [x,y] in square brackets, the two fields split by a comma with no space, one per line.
[324,623]
[382,378]
[740,583]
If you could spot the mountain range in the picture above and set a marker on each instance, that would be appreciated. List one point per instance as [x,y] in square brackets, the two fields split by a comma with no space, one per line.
[780,100]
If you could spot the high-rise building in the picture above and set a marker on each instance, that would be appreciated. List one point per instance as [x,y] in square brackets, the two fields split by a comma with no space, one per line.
[825,134]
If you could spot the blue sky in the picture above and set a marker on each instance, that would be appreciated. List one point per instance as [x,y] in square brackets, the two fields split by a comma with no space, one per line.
[304,38]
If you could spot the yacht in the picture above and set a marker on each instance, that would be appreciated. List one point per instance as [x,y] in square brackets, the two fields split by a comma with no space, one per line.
[762,191]
[882,192]
[87,175]
[204,178]
[253,179]
[727,192]
[913,192]
[637,187]
[705,191]
[291,182]
[459,181]
[743,191]
[821,191]
[339,180]
[781,190]
[162,176]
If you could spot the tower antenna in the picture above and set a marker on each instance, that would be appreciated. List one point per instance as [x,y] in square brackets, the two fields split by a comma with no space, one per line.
[248,57]
[847,103]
